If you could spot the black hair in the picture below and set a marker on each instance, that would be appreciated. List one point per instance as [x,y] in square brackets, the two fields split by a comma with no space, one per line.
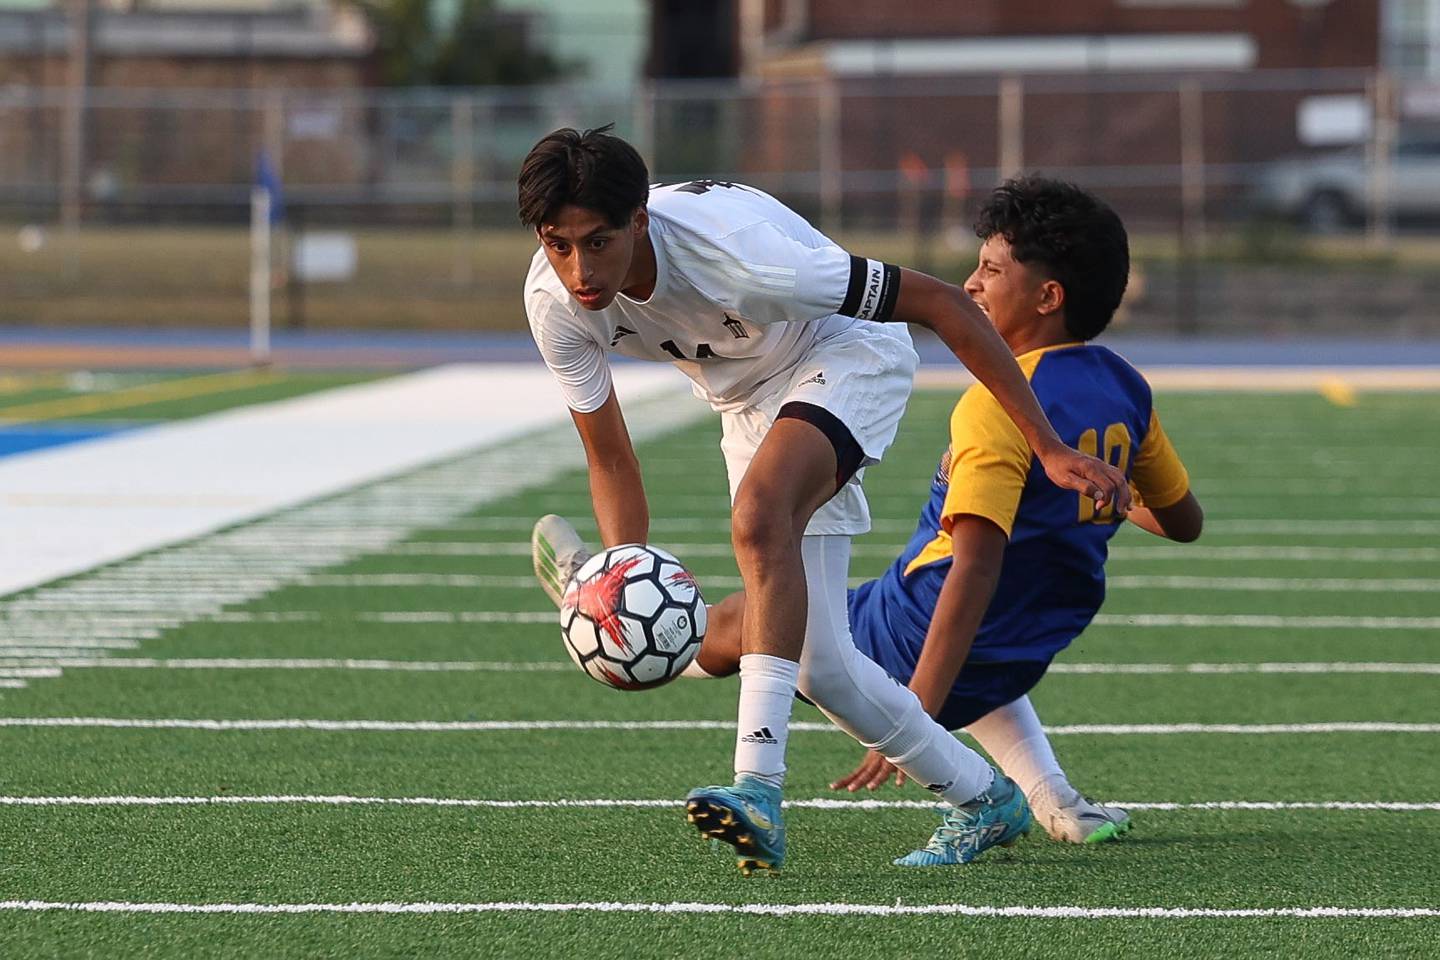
[1070,235]
[595,169]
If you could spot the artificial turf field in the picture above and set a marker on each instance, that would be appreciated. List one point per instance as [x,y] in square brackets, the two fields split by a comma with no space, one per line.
[387,644]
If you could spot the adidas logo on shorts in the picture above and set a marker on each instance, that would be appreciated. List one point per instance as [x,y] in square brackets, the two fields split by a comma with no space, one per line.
[818,378]
[763,735]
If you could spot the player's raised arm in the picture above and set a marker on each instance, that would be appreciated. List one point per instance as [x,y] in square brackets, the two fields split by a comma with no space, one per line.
[963,327]
[616,488]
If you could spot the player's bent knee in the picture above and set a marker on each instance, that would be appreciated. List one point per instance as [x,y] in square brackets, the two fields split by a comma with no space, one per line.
[759,526]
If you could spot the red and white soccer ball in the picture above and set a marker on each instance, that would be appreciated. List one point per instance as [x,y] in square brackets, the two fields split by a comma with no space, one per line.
[633,617]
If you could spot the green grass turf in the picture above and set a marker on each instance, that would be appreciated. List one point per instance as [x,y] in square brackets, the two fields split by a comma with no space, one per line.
[1240,449]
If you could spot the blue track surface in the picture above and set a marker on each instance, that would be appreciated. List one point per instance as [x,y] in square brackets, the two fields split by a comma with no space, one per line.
[22,439]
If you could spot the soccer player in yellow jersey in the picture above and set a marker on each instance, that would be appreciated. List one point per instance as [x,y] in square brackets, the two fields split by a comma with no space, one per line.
[1005,568]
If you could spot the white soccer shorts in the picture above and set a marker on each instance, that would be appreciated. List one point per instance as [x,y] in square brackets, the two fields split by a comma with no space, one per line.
[862,375]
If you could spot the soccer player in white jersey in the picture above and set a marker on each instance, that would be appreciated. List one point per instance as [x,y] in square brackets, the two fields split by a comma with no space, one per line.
[802,349]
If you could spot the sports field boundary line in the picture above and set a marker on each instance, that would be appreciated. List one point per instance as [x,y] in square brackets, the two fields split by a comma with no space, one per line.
[728,726]
[72,617]
[123,586]
[672,524]
[436,549]
[817,803]
[42,667]
[748,909]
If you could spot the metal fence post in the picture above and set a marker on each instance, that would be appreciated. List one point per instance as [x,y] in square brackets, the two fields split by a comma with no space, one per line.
[77,83]
[1192,166]
[831,158]
[643,120]
[277,242]
[1011,161]
[462,185]
[260,275]
[1381,155]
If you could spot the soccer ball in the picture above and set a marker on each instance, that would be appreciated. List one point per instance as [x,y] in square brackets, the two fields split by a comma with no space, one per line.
[633,617]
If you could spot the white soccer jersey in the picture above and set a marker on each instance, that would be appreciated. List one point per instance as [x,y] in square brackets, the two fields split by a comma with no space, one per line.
[744,287]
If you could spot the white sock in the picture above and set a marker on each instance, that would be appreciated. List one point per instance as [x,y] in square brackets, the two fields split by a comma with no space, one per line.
[865,701]
[767,692]
[933,758]
[1013,737]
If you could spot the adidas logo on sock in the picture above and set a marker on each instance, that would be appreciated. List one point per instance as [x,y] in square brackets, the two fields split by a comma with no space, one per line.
[763,735]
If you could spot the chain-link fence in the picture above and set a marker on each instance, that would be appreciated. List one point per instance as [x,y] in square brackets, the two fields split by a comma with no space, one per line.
[398,206]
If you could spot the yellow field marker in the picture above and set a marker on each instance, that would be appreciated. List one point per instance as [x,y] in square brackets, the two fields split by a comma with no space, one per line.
[1338,392]
[135,396]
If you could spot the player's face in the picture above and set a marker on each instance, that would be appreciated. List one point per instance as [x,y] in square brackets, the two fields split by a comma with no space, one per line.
[591,256]
[1010,292]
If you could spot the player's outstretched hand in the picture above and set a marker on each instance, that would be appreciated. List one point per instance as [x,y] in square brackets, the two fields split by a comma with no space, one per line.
[1092,477]
[874,771]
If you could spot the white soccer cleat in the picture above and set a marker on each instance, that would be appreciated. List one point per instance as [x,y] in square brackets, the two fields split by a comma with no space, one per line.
[557,552]
[1070,817]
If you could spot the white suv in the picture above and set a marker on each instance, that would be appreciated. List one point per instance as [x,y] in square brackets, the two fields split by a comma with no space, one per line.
[1330,191]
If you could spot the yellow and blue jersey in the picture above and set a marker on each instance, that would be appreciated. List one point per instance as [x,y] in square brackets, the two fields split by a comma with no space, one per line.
[1052,579]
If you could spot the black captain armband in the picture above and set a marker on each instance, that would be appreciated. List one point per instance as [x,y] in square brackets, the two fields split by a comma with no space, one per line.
[872,290]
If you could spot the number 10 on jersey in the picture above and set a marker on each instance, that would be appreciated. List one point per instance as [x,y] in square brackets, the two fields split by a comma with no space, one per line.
[1116,453]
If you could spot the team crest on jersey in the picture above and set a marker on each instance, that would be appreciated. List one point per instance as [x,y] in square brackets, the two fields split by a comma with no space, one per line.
[736,328]
[620,331]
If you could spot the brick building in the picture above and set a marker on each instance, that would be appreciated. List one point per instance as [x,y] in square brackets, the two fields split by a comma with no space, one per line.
[1095,84]
[1090,34]
[177,97]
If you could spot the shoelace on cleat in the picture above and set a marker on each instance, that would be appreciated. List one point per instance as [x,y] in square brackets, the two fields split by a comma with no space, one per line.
[955,825]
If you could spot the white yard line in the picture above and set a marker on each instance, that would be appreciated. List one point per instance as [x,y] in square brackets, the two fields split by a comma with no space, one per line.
[1278,584]
[551,618]
[1328,554]
[54,666]
[1260,621]
[858,805]
[121,593]
[720,526]
[1327,528]
[1226,669]
[40,667]
[511,726]
[476,548]
[743,909]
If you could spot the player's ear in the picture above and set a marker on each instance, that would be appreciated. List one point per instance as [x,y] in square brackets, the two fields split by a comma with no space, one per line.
[640,222]
[1052,297]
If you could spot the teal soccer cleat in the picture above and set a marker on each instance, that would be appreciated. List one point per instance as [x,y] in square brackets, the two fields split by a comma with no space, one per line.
[747,816]
[997,818]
